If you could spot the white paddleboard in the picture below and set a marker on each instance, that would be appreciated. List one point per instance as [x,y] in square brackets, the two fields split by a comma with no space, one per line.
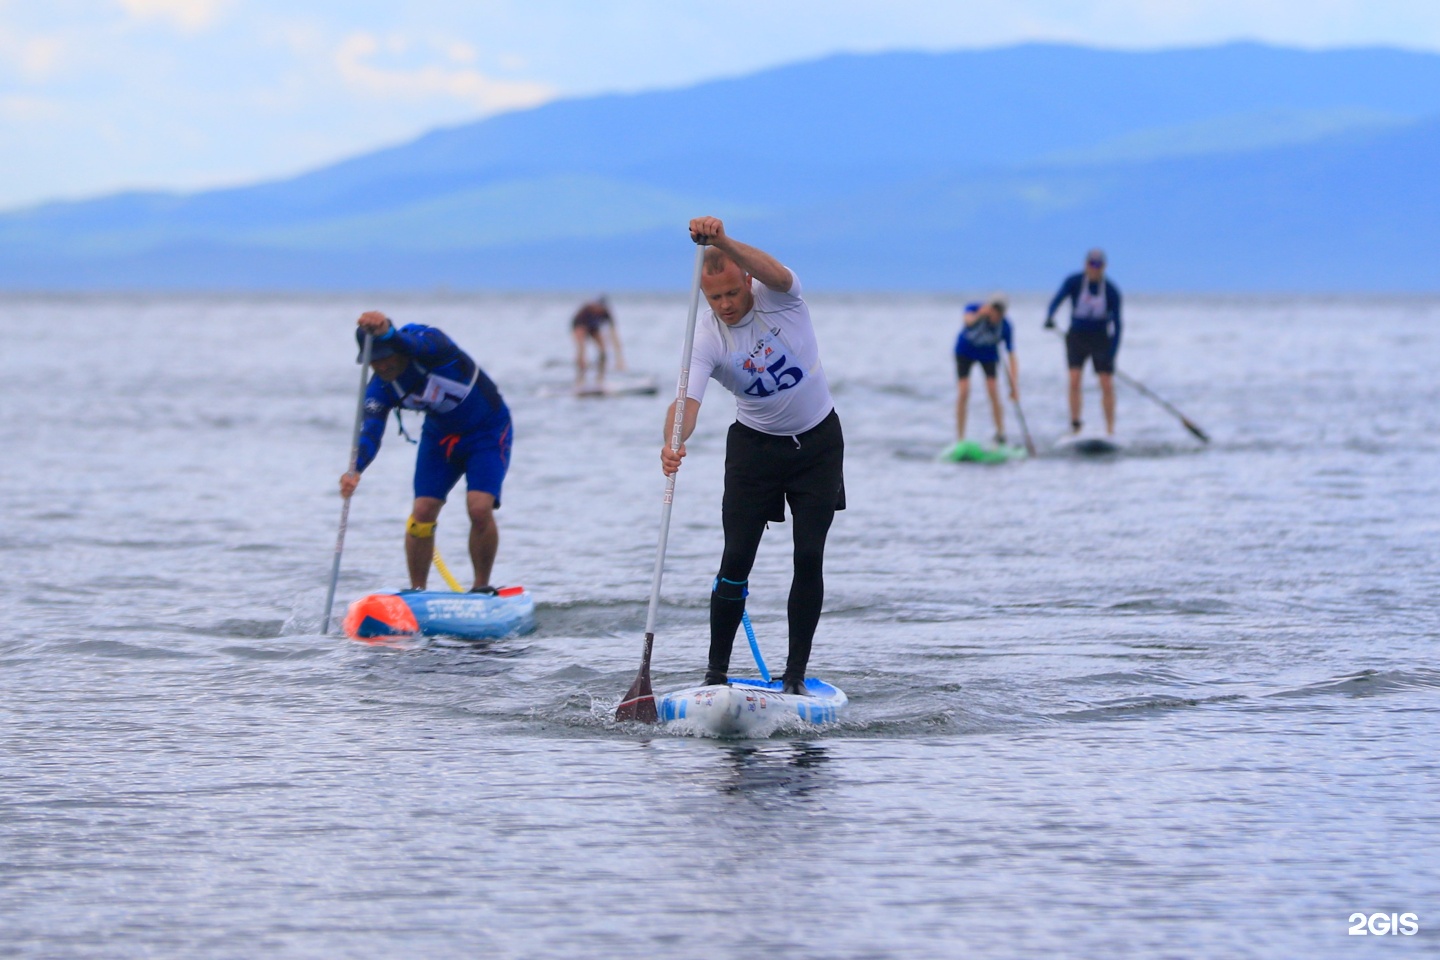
[750,708]
[619,387]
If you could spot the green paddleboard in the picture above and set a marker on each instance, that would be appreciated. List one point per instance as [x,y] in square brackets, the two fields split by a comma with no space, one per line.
[970,451]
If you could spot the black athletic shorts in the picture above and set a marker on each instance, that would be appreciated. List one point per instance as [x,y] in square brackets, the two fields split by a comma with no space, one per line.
[964,363]
[1092,343]
[762,471]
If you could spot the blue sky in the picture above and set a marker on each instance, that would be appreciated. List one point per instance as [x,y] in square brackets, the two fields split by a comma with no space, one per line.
[99,95]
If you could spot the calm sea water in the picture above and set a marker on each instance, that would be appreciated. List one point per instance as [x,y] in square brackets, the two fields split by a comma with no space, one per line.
[1179,703]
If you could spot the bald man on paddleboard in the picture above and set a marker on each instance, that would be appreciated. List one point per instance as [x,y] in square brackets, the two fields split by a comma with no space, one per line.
[785,446]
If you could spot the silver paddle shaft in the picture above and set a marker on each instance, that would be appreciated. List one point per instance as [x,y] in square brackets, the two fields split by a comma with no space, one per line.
[354,458]
[677,430]
[1004,356]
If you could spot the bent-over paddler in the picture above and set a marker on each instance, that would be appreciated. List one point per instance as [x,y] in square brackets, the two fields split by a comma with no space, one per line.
[985,328]
[785,445]
[467,432]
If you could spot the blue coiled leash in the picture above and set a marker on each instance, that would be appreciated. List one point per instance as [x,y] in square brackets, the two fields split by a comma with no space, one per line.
[755,647]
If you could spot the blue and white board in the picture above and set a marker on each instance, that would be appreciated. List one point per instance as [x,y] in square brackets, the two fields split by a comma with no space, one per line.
[470,616]
[751,708]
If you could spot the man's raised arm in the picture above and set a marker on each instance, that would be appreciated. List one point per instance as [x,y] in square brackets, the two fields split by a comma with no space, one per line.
[754,261]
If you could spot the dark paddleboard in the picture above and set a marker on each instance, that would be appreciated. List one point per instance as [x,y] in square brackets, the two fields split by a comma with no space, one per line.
[1089,446]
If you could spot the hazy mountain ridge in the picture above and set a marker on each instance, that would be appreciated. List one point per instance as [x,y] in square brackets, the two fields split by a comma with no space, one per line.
[1235,167]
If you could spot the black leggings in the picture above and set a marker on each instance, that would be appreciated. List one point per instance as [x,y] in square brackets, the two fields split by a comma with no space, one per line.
[762,473]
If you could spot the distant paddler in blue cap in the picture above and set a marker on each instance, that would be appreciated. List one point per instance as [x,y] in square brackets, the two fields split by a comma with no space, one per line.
[467,433]
[1094,333]
[985,329]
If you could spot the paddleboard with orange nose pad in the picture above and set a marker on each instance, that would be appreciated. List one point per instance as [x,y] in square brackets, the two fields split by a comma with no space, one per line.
[380,615]
[508,612]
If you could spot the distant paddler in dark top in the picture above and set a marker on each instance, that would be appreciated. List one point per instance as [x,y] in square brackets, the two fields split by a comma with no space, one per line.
[467,432]
[785,446]
[594,323]
[985,328]
[1094,333]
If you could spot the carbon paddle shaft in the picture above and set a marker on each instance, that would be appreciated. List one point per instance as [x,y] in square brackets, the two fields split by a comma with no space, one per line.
[1184,420]
[639,702]
[345,504]
[1201,435]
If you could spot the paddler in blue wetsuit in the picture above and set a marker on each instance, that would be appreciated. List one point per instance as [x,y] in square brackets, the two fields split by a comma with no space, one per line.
[1094,333]
[986,327]
[467,433]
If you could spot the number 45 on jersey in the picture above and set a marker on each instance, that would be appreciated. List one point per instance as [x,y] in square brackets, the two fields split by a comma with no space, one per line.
[783,377]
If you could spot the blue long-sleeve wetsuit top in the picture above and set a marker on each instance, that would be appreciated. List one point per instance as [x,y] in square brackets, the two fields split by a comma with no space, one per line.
[441,380]
[980,341]
[1081,319]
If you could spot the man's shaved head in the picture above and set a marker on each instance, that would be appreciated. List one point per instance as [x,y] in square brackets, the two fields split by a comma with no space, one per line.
[716,261]
[726,286]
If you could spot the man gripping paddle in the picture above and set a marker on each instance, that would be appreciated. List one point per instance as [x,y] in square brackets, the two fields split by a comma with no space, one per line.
[757,341]
[467,433]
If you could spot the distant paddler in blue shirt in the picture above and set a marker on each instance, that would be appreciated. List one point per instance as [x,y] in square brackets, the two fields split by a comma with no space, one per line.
[467,433]
[986,327]
[1094,333]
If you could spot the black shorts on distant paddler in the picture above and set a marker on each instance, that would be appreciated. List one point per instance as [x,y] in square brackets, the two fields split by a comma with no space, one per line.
[1087,342]
[964,363]
[763,471]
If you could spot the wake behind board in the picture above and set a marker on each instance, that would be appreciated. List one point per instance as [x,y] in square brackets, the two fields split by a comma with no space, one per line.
[1084,445]
[470,616]
[971,451]
[750,708]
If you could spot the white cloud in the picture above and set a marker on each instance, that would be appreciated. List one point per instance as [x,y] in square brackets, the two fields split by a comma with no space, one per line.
[188,15]
[34,58]
[28,109]
[461,52]
[39,57]
[452,78]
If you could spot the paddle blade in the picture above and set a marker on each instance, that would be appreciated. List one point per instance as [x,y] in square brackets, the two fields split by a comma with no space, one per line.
[1195,430]
[638,704]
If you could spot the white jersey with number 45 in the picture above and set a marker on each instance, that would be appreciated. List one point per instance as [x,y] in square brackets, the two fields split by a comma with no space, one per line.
[770,360]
